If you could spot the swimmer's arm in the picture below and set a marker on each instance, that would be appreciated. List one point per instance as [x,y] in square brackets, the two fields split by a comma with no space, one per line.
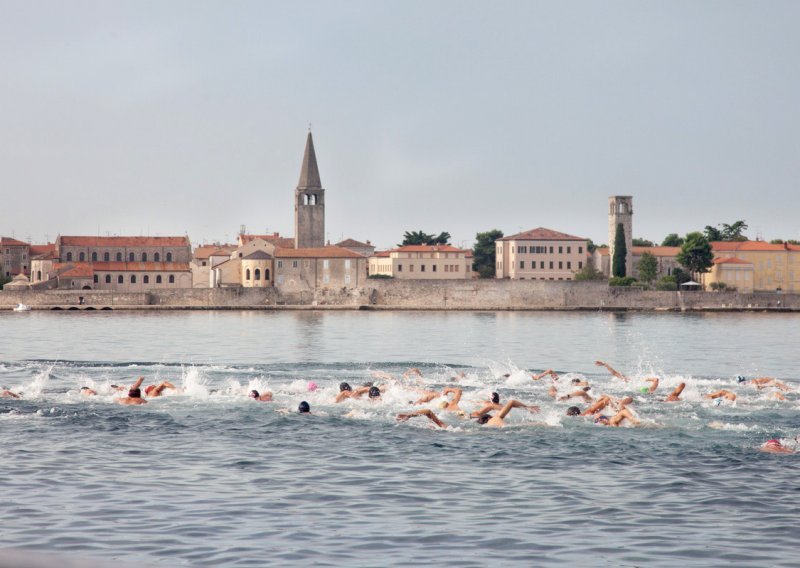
[456,392]
[485,410]
[137,384]
[653,384]
[509,405]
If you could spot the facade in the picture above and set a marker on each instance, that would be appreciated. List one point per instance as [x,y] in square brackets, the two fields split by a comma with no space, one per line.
[124,249]
[665,257]
[422,262]
[620,211]
[257,269]
[775,267]
[364,249]
[734,273]
[204,259]
[309,269]
[540,254]
[14,257]
[309,203]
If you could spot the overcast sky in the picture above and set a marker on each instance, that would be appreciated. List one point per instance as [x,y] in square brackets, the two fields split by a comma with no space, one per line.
[173,117]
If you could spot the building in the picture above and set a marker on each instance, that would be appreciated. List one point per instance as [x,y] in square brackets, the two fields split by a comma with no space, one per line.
[124,249]
[309,203]
[206,257]
[274,238]
[540,254]
[666,259]
[310,269]
[422,262]
[620,212]
[14,257]
[364,249]
[764,267]
[734,273]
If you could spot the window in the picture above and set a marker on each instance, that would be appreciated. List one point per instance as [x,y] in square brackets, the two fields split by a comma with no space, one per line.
[203,263]
[551,265]
[158,279]
[541,265]
[247,274]
[560,250]
[169,257]
[94,257]
[69,256]
[569,265]
[347,264]
[533,265]
[294,264]
[257,274]
[133,279]
[399,268]
[580,250]
[119,279]
[146,279]
[96,279]
[456,267]
[119,257]
[108,279]
[422,268]
[144,257]
[551,250]
[38,275]
[157,257]
[569,250]
[522,264]
[580,264]
[106,257]
[411,268]
[560,265]
[326,264]
[81,257]
[131,257]
[280,264]
[266,274]
[172,279]
[433,268]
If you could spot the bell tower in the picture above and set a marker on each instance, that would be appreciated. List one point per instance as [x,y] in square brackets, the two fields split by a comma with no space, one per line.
[309,202]
[620,211]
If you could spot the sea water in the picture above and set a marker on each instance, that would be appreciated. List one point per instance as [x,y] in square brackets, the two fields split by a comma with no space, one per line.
[208,477]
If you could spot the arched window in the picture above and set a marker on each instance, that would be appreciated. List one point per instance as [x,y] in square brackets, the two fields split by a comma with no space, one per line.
[119,257]
[305,199]
[94,257]
[172,279]
[131,257]
[106,257]
[144,257]
[81,257]
[133,279]
[146,279]
[266,274]
[169,257]
[312,199]
[247,274]
[258,274]
[108,279]
[38,275]
[158,279]
[69,257]
[119,279]
[95,278]
[157,257]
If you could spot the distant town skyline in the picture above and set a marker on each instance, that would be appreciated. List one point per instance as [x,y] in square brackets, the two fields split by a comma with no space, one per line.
[146,118]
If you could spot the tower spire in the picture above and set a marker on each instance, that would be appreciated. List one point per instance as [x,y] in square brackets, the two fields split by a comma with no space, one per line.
[309,173]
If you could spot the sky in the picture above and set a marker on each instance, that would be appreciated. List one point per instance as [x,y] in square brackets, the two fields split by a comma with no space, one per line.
[190,117]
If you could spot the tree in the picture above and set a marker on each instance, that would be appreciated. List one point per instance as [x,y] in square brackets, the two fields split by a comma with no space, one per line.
[590,246]
[618,267]
[648,267]
[776,242]
[712,233]
[695,255]
[423,238]
[734,232]
[672,240]
[679,276]
[483,253]
[641,243]
[588,272]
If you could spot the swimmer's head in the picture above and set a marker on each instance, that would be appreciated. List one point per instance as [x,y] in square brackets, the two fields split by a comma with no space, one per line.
[576,381]
[443,404]
[484,419]
[253,394]
[135,393]
[627,400]
[495,398]
[82,388]
[740,379]
[506,375]
[573,411]
[303,408]
[312,386]
[587,389]
[149,388]
[644,390]
[345,387]
[374,392]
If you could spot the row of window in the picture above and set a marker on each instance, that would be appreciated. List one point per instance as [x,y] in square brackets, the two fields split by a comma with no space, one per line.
[552,267]
[257,274]
[522,249]
[107,257]
[447,268]
[326,264]
[145,279]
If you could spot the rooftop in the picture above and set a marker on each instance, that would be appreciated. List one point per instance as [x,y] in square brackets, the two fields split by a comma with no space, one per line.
[320,252]
[542,234]
[78,241]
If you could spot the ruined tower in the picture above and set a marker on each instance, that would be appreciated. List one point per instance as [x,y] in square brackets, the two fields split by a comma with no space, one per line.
[620,210]
[309,203]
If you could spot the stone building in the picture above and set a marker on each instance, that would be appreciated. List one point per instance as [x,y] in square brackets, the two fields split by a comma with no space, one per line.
[620,212]
[14,257]
[204,259]
[309,269]
[665,259]
[364,249]
[540,254]
[422,262]
[309,203]
[124,249]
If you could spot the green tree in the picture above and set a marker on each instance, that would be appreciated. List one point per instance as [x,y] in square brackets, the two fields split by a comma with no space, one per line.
[672,240]
[621,281]
[667,284]
[648,267]
[734,232]
[423,238]
[588,272]
[590,246]
[618,267]
[680,276]
[712,233]
[641,243]
[776,242]
[695,255]
[483,253]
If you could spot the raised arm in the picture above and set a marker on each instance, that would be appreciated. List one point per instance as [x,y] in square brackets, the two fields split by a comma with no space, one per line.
[611,370]
[550,372]
[137,384]
[515,404]
[456,392]
[423,412]
[599,405]
[653,384]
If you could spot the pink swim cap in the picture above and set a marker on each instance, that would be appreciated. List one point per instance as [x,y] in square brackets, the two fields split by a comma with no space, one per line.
[312,386]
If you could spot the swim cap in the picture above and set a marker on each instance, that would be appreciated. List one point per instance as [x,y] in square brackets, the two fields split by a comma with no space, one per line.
[645,390]
[135,393]
[495,398]
[303,408]
[484,419]
[740,378]
[345,387]
[573,411]
[312,386]
[253,394]
[374,392]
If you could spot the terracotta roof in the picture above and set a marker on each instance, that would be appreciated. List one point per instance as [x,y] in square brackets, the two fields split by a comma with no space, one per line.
[731,260]
[638,251]
[275,238]
[321,252]
[122,241]
[542,234]
[141,266]
[8,242]
[43,250]
[73,269]
[258,255]
[205,251]
[382,254]
[759,246]
[427,248]
[352,243]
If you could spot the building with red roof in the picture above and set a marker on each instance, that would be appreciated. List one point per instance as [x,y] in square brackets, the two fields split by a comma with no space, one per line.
[540,254]
[422,262]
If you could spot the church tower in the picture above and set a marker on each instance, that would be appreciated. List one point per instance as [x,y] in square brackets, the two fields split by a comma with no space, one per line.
[620,210]
[309,203]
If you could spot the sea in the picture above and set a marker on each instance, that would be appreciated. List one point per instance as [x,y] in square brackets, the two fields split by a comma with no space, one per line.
[206,476]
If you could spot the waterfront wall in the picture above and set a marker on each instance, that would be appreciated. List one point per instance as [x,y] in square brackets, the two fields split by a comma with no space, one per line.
[413,295]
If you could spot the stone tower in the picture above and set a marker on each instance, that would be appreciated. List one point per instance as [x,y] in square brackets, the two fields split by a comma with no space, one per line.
[620,210]
[309,203]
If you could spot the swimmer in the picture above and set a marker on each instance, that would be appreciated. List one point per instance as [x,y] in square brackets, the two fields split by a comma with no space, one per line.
[374,393]
[548,372]
[497,421]
[653,385]
[134,394]
[452,405]
[488,405]
[573,411]
[780,446]
[86,391]
[413,371]
[423,412]
[5,393]
[457,377]
[726,394]
[762,382]
[553,391]
[617,419]
[266,397]
[580,393]
[675,395]
[611,370]
[579,382]
[304,408]
[345,391]
[311,386]
[427,396]
[153,391]
[604,401]
[382,375]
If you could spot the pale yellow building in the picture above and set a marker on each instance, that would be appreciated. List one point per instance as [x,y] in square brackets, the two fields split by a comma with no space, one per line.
[422,262]
[540,254]
[772,266]
[735,273]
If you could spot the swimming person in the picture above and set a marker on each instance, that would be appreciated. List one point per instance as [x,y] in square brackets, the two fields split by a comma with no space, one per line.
[153,391]
[266,397]
[675,395]
[427,396]
[345,391]
[653,385]
[611,370]
[488,405]
[423,412]
[726,394]
[762,382]
[374,393]
[781,445]
[497,421]
[304,408]
[86,391]
[617,419]
[452,404]
[134,394]
[580,393]
[5,393]
[549,372]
